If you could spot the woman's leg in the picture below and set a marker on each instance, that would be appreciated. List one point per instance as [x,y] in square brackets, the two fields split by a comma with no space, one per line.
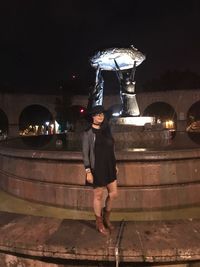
[98,195]
[112,195]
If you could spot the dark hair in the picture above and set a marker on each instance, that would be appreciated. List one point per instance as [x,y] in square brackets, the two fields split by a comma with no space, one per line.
[105,128]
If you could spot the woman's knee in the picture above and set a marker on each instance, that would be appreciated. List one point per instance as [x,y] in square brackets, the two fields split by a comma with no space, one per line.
[98,195]
[113,195]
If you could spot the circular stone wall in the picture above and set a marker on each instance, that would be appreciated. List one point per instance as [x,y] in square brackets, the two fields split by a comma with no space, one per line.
[147,180]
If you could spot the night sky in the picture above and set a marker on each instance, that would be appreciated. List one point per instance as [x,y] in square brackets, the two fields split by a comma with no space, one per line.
[46,43]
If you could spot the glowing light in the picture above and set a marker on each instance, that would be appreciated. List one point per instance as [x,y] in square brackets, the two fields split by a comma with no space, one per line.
[116,114]
[138,121]
[169,124]
[81,110]
[136,149]
[56,127]
[36,128]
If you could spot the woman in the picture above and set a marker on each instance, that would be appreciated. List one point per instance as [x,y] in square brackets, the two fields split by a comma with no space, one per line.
[100,166]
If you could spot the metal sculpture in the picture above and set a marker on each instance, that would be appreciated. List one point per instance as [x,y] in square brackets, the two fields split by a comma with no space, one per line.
[118,60]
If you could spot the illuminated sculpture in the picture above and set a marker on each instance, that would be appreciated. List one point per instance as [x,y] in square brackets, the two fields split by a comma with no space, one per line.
[117,59]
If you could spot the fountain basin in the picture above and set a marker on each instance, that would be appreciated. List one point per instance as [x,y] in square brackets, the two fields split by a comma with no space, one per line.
[148,180]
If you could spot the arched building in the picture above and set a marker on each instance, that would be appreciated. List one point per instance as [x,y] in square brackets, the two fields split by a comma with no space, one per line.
[177,103]
[12,105]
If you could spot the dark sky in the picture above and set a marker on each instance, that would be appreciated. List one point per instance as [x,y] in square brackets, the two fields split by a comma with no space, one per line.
[44,42]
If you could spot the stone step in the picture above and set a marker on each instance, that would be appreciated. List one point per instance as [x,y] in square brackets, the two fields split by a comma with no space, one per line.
[142,242]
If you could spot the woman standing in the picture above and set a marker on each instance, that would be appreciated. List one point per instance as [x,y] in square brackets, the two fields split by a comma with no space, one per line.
[100,166]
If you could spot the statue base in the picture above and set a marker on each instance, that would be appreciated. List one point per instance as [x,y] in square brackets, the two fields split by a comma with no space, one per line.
[137,132]
[134,121]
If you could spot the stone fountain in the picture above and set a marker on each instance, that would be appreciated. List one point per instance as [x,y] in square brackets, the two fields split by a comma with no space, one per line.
[153,175]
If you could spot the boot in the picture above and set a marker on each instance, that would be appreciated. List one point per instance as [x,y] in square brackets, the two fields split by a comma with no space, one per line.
[99,225]
[106,219]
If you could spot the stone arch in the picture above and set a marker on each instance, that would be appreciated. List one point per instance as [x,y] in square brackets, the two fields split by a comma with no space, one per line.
[34,115]
[193,113]
[3,123]
[161,111]
[193,122]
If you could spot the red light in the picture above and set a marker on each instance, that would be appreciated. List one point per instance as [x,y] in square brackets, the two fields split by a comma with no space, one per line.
[82,110]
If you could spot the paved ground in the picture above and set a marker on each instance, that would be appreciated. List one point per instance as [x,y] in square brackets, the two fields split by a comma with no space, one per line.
[156,241]
[59,235]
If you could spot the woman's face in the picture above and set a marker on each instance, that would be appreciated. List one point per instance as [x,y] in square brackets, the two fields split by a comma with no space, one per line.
[98,118]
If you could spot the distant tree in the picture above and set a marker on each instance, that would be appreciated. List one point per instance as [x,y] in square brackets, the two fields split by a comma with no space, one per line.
[63,104]
[66,113]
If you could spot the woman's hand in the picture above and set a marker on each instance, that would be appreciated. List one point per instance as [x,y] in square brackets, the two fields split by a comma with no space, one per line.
[89,177]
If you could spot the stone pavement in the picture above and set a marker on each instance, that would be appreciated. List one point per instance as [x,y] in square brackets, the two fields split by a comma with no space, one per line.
[53,239]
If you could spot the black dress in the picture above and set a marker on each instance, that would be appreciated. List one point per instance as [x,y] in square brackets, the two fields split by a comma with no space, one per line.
[105,163]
